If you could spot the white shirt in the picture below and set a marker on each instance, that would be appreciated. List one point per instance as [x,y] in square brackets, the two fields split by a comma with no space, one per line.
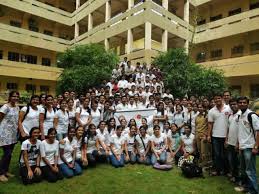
[33,151]
[179,119]
[246,137]
[72,117]
[91,144]
[117,143]
[130,142]
[103,136]
[233,128]
[121,107]
[68,147]
[84,114]
[31,119]
[129,84]
[141,143]
[96,116]
[122,84]
[188,142]
[48,120]
[63,121]
[220,120]
[159,142]
[141,76]
[78,145]
[49,151]
[168,96]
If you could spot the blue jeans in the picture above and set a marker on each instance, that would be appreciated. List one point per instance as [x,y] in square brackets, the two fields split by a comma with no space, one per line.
[146,160]
[219,160]
[69,172]
[248,170]
[117,163]
[162,158]
[132,158]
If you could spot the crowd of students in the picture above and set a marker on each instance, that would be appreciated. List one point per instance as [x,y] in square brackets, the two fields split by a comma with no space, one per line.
[62,136]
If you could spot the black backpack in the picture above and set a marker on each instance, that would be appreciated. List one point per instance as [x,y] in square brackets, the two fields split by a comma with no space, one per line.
[191,170]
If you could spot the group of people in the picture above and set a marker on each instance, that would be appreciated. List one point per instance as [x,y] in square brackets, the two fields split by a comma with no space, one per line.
[62,136]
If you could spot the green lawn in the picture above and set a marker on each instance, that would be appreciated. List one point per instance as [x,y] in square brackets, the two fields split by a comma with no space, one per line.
[130,179]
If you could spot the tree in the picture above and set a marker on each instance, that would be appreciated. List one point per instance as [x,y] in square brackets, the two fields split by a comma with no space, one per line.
[183,76]
[85,66]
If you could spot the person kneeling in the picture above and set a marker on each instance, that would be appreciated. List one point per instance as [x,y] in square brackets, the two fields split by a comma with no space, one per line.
[30,158]
[130,146]
[67,164]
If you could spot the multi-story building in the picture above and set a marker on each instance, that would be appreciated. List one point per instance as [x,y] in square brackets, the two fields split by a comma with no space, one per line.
[219,33]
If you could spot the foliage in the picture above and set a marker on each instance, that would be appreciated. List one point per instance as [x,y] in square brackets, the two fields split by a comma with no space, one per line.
[24,97]
[85,66]
[183,76]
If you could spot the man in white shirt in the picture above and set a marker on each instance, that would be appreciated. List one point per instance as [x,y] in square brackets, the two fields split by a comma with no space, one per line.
[123,105]
[122,83]
[123,64]
[217,131]
[248,138]
[130,83]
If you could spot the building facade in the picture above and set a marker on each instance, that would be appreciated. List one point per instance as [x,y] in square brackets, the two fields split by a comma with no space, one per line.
[218,33]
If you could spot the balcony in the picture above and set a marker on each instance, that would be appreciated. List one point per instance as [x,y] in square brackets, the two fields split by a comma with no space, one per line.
[237,24]
[34,39]
[24,70]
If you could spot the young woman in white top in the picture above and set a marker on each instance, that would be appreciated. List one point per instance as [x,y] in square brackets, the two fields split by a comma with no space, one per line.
[111,127]
[179,118]
[79,141]
[188,145]
[158,146]
[29,117]
[160,115]
[143,147]
[117,148]
[49,151]
[130,145]
[30,158]
[170,112]
[67,164]
[174,144]
[83,114]
[93,151]
[9,114]
[71,112]
[47,114]
[104,138]
[166,128]
[61,120]
[95,113]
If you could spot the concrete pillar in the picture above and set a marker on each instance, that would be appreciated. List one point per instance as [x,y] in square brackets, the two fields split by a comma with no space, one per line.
[76,30]
[129,41]
[165,4]
[148,35]
[164,40]
[187,19]
[106,44]
[130,4]
[107,11]
[77,4]
[90,21]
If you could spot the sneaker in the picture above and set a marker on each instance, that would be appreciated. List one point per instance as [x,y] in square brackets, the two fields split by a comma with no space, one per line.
[10,175]
[3,178]
[240,189]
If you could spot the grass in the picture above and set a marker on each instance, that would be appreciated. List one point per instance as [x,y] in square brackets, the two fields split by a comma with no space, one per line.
[130,179]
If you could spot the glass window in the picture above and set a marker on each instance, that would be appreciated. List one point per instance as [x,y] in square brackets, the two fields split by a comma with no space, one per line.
[217,17]
[254,47]
[201,57]
[216,53]
[11,86]
[44,89]
[29,59]
[239,49]
[46,62]
[47,32]
[254,90]
[254,5]
[12,56]
[1,54]
[15,23]
[30,88]
[234,12]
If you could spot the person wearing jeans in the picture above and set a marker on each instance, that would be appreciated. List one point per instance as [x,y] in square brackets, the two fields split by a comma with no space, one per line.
[158,146]
[8,133]
[248,138]
[130,146]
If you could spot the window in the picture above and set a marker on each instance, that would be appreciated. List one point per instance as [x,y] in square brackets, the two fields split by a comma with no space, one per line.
[254,90]
[29,59]
[239,49]
[44,89]
[47,32]
[254,47]
[201,22]
[1,54]
[254,5]
[30,88]
[33,25]
[12,56]
[15,23]
[46,62]
[216,53]
[34,28]
[11,86]
[201,57]
[234,12]
[217,17]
